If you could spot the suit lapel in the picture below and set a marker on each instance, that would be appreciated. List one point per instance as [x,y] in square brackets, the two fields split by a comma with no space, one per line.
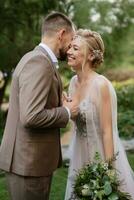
[56,72]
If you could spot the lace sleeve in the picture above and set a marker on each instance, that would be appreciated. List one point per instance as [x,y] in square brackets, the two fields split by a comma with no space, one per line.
[71,89]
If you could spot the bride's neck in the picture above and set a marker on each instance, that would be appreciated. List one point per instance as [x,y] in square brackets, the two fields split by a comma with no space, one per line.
[85,75]
[83,80]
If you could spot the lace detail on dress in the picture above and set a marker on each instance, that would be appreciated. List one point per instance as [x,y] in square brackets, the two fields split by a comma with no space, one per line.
[80,122]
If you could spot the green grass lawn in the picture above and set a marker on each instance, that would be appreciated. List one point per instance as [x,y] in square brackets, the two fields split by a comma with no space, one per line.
[3,191]
[58,184]
[57,189]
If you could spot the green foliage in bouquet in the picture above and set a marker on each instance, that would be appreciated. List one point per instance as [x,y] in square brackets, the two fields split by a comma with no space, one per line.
[98,181]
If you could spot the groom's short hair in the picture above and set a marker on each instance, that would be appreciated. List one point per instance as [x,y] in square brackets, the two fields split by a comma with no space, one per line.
[54,22]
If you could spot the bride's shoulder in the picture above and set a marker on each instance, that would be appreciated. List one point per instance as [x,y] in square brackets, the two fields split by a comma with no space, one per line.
[105,87]
[102,81]
[73,79]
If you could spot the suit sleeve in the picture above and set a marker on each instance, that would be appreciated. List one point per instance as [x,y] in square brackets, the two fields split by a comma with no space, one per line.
[34,83]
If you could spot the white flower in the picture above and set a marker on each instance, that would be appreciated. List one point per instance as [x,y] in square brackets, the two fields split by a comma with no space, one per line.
[105,166]
[86,186]
[86,190]
[111,173]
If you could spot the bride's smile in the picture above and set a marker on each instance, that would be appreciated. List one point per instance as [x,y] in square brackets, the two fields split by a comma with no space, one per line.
[75,54]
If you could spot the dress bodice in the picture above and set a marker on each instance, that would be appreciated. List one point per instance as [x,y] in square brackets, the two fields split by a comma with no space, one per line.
[87,119]
[80,121]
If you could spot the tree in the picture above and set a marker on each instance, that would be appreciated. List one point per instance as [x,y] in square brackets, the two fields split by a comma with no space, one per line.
[113,19]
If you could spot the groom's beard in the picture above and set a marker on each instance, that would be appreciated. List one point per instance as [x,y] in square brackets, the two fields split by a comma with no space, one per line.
[62,55]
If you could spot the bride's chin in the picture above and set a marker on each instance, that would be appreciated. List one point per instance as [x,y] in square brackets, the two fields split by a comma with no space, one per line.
[69,64]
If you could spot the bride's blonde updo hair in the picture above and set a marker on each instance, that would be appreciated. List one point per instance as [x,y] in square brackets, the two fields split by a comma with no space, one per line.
[94,43]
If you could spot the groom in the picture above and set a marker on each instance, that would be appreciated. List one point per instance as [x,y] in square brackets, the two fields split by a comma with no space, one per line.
[30,149]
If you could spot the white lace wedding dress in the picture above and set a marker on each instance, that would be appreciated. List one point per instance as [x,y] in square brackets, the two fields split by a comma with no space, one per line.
[87,135]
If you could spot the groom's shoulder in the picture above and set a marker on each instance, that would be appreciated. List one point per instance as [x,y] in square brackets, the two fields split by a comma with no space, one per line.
[34,56]
[34,53]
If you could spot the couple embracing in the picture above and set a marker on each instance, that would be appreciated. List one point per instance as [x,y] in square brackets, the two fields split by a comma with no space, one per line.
[30,150]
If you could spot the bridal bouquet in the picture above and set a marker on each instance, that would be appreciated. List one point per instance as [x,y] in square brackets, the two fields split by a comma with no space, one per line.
[98,181]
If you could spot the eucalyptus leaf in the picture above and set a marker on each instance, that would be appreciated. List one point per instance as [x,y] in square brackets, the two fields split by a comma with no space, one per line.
[100,194]
[105,178]
[113,196]
[107,188]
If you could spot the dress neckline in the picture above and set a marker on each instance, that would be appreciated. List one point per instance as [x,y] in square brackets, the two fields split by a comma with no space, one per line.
[89,86]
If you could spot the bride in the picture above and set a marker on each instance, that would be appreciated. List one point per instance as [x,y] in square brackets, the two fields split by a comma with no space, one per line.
[95,127]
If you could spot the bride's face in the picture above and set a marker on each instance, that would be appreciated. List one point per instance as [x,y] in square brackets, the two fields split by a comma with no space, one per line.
[76,54]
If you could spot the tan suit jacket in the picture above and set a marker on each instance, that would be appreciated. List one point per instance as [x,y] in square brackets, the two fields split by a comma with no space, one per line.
[31,140]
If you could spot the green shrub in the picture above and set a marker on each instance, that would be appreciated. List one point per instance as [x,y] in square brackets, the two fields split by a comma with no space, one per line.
[126,124]
[66,129]
[119,74]
[125,98]
[125,95]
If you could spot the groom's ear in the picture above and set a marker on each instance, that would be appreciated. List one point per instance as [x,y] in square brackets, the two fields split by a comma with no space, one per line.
[61,34]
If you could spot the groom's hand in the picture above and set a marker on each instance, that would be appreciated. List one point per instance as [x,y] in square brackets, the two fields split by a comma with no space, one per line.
[66,97]
[73,106]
